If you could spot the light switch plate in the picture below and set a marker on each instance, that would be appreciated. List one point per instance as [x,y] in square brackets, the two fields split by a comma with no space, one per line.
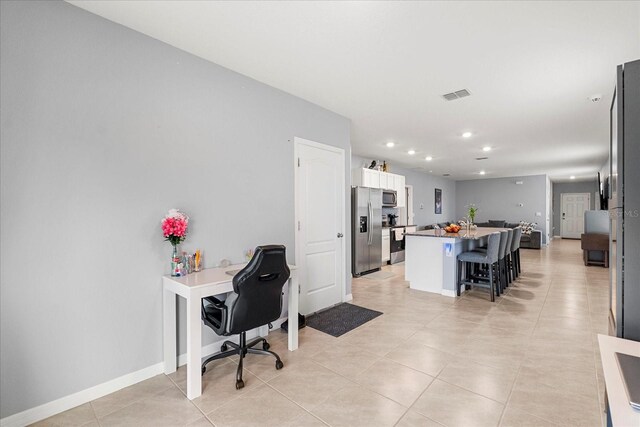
[538,213]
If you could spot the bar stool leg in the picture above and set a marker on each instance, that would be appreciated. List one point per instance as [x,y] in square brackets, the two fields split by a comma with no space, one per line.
[503,275]
[491,287]
[459,282]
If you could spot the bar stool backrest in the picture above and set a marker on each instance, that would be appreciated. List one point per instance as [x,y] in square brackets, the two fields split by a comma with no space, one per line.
[517,234]
[503,244]
[509,240]
[493,247]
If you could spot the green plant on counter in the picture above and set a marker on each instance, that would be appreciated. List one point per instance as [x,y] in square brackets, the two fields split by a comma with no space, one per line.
[472,210]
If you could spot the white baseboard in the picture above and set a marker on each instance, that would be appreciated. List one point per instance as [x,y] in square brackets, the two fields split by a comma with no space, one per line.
[448,293]
[57,406]
[348,297]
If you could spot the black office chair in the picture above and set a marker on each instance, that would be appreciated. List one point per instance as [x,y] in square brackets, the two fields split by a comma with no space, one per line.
[257,301]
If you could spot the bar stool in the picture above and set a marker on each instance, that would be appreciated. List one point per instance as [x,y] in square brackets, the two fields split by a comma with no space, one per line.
[502,265]
[515,252]
[507,256]
[489,258]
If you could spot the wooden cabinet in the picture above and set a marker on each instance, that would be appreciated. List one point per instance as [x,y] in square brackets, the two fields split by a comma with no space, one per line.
[386,245]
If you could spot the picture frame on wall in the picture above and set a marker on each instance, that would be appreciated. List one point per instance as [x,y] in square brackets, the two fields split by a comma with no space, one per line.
[438,201]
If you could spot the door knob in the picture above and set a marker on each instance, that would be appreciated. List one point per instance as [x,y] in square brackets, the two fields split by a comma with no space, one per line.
[340,235]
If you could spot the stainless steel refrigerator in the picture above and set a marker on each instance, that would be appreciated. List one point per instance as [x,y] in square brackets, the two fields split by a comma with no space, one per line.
[624,204]
[366,226]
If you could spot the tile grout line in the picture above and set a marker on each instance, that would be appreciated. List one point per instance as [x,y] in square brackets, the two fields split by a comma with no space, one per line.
[504,409]
[595,350]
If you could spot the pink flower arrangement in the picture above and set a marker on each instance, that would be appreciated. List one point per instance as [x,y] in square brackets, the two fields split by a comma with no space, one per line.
[174,226]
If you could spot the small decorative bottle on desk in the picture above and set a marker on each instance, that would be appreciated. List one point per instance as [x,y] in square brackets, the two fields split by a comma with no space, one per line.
[175,262]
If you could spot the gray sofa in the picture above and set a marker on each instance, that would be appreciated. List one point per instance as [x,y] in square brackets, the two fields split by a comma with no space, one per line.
[529,241]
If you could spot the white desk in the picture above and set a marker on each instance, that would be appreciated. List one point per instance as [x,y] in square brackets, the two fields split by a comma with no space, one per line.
[194,287]
[621,413]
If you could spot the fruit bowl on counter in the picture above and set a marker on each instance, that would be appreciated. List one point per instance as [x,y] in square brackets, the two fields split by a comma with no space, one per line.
[452,228]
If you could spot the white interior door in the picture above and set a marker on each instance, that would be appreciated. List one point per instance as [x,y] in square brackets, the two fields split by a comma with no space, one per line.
[320,224]
[573,206]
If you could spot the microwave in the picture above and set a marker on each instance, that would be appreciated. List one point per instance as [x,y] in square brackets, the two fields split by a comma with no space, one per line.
[389,199]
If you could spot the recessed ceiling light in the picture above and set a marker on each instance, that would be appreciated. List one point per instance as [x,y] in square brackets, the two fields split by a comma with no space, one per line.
[486,148]
[390,144]
[411,152]
[428,158]
[482,172]
[572,177]
[467,135]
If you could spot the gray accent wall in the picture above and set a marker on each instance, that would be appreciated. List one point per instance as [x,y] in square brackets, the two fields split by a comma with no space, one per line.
[590,187]
[103,130]
[424,186]
[500,198]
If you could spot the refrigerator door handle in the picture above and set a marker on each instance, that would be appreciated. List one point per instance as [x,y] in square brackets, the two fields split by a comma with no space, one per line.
[370,236]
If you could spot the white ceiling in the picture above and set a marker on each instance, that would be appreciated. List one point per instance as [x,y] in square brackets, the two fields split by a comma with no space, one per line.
[530,66]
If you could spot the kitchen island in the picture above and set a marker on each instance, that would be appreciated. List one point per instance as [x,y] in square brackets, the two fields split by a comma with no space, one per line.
[430,257]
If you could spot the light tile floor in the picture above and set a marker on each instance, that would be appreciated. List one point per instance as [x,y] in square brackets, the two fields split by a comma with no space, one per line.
[529,359]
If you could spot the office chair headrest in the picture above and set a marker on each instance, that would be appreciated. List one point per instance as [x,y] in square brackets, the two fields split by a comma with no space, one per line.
[269,263]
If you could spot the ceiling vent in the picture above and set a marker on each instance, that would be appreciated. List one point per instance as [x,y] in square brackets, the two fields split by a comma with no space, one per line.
[456,95]
[481,158]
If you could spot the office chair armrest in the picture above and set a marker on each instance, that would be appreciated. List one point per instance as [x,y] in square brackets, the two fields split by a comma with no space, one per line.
[216,302]
[218,325]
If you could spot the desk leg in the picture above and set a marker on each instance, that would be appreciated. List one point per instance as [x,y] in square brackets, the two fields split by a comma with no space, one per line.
[293,313]
[194,348]
[169,331]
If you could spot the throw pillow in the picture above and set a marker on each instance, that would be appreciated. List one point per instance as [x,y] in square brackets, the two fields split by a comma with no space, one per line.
[528,227]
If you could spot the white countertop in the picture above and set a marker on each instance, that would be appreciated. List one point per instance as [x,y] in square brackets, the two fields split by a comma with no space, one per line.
[622,414]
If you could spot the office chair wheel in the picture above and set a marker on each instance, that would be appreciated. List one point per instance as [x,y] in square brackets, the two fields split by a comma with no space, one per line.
[265,346]
[279,364]
[223,347]
[239,384]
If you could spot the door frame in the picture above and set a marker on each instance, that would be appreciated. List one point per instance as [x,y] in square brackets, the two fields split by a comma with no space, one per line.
[408,189]
[297,142]
[562,210]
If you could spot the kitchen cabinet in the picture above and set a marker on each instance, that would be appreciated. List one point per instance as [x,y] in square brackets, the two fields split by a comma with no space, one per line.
[386,245]
[384,181]
[375,179]
[370,178]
